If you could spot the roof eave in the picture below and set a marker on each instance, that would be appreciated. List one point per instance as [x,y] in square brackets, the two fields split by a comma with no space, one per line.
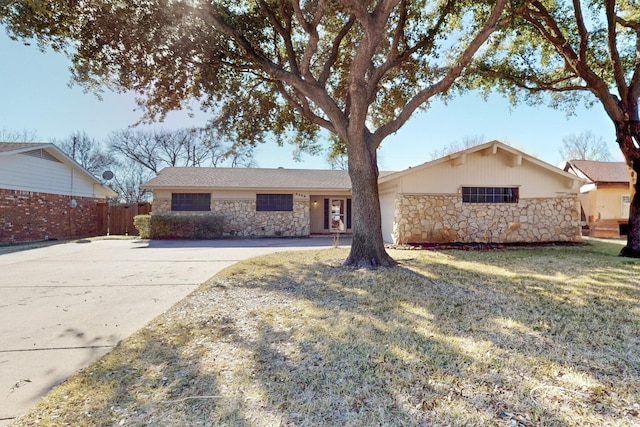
[211,188]
[496,144]
[33,146]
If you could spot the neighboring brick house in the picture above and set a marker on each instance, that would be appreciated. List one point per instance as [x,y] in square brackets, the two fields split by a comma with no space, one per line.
[488,193]
[606,197]
[44,194]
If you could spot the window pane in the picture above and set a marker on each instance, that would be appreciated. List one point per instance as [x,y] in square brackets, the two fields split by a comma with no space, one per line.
[190,201]
[274,202]
[490,194]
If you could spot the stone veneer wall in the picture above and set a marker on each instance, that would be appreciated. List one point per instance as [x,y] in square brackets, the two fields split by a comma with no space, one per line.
[445,219]
[242,220]
[31,216]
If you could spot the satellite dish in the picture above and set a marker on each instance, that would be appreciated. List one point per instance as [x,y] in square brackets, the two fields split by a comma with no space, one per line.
[107,175]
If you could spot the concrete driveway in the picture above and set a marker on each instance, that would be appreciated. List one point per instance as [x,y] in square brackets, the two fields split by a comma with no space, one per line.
[64,306]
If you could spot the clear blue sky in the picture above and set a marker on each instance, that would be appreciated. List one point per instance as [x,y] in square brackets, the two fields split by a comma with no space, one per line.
[36,96]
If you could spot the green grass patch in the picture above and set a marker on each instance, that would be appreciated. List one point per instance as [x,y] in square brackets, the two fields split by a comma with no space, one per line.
[513,337]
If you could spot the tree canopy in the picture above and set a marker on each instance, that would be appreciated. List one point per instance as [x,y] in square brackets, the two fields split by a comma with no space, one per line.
[280,69]
[569,53]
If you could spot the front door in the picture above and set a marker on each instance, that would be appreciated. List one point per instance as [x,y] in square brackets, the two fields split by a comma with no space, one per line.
[337,222]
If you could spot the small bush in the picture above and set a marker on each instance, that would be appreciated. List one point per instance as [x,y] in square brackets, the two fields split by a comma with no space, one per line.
[185,227]
[143,225]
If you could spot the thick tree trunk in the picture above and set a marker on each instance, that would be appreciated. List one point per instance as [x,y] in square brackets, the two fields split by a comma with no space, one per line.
[367,247]
[633,238]
[628,135]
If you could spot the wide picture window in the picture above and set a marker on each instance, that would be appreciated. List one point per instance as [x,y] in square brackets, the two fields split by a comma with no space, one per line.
[191,201]
[490,194]
[274,202]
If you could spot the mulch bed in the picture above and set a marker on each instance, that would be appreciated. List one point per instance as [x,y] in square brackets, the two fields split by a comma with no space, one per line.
[478,246]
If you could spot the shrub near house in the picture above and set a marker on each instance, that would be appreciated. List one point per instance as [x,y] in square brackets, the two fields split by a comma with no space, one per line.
[178,227]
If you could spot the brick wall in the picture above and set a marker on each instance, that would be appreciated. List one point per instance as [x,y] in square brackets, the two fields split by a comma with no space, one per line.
[28,216]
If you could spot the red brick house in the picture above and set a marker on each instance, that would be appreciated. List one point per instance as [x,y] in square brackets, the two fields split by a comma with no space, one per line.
[44,194]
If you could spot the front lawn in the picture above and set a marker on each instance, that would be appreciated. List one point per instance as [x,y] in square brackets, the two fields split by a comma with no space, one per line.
[513,337]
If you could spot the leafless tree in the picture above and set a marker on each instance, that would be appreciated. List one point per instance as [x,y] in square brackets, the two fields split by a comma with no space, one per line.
[128,177]
[455,146]
[156,149]
[584,146]
[88,152]
[24,135]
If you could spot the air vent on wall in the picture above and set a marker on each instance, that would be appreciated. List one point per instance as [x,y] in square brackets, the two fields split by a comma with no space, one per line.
[41,154]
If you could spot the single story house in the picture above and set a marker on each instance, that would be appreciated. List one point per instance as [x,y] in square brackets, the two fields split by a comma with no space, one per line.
[45,194]
[605,197]
[488,193]
[258,202]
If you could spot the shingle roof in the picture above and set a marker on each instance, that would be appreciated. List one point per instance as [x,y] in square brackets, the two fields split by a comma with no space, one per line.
[13,146]
[198,177]
[603,171]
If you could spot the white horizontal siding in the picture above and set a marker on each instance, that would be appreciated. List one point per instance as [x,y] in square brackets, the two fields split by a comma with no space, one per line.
[28,173]
[388,213]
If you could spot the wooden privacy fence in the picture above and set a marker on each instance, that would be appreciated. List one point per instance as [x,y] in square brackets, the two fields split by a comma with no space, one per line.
[118,219]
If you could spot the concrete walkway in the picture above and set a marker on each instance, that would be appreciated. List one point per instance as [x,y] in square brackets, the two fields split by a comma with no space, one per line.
[64,306]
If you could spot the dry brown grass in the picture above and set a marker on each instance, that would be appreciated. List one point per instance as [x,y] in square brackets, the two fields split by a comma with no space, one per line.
[526,337]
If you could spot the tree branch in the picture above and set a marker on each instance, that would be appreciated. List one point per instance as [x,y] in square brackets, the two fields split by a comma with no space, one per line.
[307,89]
[358,10]
[373,27]
[285,33]
[618,70]
[520,81]
[634,85]
[445,83]
[303,107]
[394,57]
[335,49]
[541,19]
[582,31]
[312,29]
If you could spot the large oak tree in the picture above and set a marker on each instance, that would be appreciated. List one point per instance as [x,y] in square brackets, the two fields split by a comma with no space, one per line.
[282,69]
[570,52]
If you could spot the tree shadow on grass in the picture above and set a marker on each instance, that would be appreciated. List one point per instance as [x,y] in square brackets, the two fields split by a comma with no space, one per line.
[437,343]
[154,378]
